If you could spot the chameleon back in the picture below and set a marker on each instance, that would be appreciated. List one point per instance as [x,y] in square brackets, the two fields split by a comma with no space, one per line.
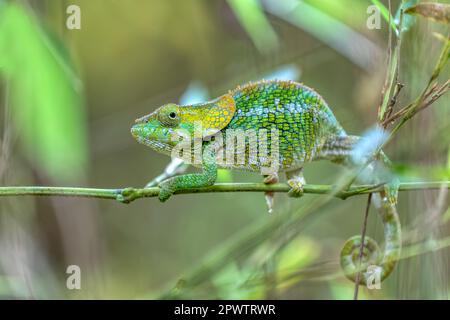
[303,119]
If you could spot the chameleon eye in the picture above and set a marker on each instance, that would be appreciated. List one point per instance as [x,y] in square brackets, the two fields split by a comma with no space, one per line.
[168,116]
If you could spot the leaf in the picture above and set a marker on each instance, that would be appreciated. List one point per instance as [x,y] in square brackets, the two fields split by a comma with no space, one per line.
[440,37]
[253,19]
[230,283]
[446,216]
[327,29]
[284,72]
[439,12]
[298,254]
[46,102]
[196,92]
[392,69]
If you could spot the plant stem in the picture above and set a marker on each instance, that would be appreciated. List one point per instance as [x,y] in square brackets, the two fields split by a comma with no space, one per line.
[127,195]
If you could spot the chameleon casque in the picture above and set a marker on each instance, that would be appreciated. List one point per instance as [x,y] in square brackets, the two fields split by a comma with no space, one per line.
[307,131]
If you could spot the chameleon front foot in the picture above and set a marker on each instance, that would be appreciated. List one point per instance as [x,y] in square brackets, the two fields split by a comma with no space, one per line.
[296,181]
[166,190]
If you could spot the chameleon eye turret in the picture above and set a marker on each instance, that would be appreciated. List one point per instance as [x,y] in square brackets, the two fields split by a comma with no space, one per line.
[168,115]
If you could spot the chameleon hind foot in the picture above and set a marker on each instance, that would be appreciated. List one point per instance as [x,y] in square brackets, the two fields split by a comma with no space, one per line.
[384,166]
[296,181]
[269,195]
[391,191]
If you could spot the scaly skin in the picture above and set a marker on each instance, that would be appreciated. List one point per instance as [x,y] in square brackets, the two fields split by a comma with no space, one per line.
[307,131]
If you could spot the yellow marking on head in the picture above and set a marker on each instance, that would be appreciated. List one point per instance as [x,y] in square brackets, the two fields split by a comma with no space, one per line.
[214,115]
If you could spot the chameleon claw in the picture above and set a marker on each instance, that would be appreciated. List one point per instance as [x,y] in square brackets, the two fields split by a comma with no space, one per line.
[271,178]
[391,191]
[296,185]
[166,190]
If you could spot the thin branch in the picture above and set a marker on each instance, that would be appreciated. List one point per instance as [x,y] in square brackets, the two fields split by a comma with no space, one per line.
[434,93]
[361,247]
[127,195]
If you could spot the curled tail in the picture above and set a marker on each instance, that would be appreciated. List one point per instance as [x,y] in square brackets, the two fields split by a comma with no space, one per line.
[374,260]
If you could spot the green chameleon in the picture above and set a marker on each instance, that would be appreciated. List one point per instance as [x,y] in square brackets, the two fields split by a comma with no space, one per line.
[304,129]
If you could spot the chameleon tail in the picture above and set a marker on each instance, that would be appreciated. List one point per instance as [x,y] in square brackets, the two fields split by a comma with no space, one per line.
[373,260]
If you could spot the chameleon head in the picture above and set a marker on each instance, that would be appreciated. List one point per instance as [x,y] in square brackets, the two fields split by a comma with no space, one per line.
[165,127]
[157,130]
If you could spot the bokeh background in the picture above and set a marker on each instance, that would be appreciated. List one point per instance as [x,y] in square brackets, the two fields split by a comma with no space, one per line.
[69,97]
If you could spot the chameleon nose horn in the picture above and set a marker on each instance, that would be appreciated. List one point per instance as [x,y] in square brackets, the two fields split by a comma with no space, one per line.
[142,119]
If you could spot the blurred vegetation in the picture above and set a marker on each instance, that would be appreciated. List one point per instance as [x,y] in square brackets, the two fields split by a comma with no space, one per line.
[69,97]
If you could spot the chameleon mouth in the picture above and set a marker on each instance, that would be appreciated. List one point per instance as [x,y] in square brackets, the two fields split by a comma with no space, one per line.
[137,131]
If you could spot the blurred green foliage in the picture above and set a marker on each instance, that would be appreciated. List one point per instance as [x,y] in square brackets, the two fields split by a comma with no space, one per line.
[252,17]
[48,109]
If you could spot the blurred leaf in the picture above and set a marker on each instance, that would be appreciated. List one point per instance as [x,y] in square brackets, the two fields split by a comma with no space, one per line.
[446,216]
[196,92]
[298,254]
[439,12]
[448,162]
[285,72]
[337,35]
[345,291]
[372,140]
[224,175]
[386,15]
[229,282]
[340,10]
[252,17]
[440,37]
[414,173]
[47,107]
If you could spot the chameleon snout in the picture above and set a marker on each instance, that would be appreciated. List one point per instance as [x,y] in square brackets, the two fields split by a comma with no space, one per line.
[138,129]
[135,130]
[145,131]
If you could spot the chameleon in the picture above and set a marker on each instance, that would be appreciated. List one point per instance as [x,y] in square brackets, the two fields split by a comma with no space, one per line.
[299,121]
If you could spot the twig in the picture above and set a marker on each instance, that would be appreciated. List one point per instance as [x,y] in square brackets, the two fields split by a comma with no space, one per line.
[361,247]
[434,93]
[127,195]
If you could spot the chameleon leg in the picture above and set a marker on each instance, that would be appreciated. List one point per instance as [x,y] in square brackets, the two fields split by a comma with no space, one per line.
[296,181]
[375,263]
[390,188]
[270,179]
[193,180]
[175,167]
